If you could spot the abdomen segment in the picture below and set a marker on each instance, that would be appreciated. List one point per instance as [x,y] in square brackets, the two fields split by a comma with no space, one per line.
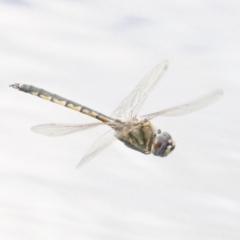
[61,101]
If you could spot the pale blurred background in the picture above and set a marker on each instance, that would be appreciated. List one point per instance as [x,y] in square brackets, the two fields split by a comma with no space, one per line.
[95,52]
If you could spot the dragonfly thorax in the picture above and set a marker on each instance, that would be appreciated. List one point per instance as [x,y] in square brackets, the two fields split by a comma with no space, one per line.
[137,135]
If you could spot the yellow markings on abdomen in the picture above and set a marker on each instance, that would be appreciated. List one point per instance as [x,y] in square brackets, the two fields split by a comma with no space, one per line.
[101,118]
[86,111]
[90,112]
[45,97]
[76,108]
[34,93]
[63,102]
[93,114]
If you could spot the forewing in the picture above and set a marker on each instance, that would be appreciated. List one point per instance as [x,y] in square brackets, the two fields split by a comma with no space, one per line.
[188,107]
[102,142]
[131,105]
[54,130]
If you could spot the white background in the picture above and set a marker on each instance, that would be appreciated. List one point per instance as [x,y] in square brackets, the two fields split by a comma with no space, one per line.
[94,53]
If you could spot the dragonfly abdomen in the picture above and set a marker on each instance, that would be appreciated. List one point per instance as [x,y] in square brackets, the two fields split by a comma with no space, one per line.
[61,101]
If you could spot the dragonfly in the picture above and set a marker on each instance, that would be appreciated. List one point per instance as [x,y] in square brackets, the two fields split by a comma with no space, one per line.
[136,132]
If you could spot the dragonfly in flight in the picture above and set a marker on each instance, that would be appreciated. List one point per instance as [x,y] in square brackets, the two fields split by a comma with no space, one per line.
[135,132]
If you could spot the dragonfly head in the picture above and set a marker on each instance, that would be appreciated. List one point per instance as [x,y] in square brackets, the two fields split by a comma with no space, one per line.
[162,144]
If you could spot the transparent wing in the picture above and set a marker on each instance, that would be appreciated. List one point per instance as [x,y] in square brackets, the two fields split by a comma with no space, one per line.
[131,105]
[188,107]
[97,146]
[54,129]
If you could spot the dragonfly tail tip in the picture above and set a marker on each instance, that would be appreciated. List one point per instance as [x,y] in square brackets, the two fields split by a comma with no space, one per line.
[15,86]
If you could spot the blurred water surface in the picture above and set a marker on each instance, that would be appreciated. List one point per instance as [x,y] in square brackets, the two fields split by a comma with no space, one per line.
[94,53]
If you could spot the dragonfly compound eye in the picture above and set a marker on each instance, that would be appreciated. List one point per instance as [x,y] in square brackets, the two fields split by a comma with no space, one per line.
[162,144]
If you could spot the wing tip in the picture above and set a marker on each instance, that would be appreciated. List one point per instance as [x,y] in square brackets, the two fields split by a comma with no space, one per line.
[218,93]
[38,129]
[165,62]
[34,129]
[81,163]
